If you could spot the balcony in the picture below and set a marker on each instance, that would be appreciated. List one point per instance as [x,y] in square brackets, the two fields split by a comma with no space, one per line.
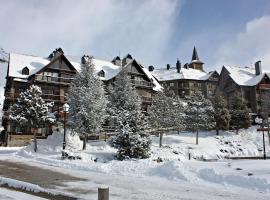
[146,99]
[146,84]
[52,97]
[52,79]
[46,97]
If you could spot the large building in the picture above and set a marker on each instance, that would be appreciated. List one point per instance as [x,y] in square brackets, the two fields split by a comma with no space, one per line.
[252,84]
[188,79]
[54,75]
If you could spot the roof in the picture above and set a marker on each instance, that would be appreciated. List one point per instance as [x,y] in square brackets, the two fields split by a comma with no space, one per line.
[245,76]
[34,63]
[171,74]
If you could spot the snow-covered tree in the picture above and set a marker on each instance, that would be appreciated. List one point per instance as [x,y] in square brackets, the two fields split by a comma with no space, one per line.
[30,110]
[87,101]
[199,114]
[166,112]
[239,111]
[132,138]
[221,113]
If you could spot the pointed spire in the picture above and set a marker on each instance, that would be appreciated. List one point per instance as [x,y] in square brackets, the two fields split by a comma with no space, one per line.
[195,54]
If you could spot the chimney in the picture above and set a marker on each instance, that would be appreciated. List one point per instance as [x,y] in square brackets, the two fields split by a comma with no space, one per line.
[178,66]
[258,68]
[151,68]
[168,66]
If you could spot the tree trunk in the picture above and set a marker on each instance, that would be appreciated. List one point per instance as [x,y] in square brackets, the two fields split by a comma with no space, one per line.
[197,137]
[160,139]
[35,139]
[217,131]
[84,141]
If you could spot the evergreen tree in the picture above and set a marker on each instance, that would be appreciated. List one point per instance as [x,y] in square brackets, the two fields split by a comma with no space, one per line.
[166,112]
[199,114]
[239,111]
[30,110]
[132,138]
[87,101]
[221,113]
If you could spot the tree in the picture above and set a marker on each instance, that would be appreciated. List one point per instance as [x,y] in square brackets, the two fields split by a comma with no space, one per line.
[87,101]
[31,110]
[166,112]
[221,113]
[132,138]
[199,114]
[239,111]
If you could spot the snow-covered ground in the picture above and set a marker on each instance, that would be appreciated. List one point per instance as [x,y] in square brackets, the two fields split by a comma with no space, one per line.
[6,194]
[174,177]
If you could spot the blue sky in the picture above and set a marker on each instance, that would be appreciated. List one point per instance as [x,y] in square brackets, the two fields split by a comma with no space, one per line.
[156,32]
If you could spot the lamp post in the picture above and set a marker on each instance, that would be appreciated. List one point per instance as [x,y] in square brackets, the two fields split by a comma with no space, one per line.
[260,121]
[65,109]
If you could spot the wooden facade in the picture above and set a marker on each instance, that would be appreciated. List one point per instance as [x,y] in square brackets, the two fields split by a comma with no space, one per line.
[54,80]
[254,94]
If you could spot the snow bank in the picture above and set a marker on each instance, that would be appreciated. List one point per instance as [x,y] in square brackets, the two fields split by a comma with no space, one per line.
[54,144]
[248,182]
[21,185]
[173,170]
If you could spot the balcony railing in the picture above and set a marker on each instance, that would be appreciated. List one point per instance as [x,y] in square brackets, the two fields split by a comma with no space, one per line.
[53,79]
[46,97]
[138,83]
[146,99]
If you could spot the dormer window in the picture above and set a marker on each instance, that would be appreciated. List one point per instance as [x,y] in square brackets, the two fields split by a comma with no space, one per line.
[101,73]
[25,71]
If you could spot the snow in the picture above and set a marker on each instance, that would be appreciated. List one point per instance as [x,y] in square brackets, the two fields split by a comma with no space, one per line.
[170,179]
[18,61]
[245,76]
[6,194]
[21,185]
[171,74]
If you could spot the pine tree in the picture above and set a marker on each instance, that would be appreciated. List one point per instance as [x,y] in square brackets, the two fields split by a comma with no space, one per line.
[31,110]
[221,113]
[166,112]
[125,111]
[87,101]
[239,111]
[199,114]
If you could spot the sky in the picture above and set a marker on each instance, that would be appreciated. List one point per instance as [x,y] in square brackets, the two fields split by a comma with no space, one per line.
[154,32]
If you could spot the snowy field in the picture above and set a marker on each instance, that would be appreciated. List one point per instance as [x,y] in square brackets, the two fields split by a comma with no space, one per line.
[175,177]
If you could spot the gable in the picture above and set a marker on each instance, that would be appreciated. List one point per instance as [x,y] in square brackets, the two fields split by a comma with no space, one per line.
[61,63]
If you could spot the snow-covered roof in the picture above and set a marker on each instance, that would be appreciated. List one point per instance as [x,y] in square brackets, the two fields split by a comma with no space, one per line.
[172,74]
[245,76]
[34,63]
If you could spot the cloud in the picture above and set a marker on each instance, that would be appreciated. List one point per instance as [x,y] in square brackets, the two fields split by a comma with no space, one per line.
[248,46]
[101,28]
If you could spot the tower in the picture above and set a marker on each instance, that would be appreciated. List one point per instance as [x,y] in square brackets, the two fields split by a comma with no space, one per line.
[195,61]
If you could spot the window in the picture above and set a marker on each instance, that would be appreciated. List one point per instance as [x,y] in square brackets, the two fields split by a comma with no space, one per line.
[101,73]
[25,71]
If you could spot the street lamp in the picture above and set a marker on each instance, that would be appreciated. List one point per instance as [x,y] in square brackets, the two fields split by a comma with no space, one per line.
[260,121]
[65,109]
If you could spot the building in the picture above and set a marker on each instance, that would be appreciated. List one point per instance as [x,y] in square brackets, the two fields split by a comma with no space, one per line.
[188,79]
[251,83]
[54,75]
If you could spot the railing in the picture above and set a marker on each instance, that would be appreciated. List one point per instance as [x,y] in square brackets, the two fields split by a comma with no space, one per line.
[142,83]
[146,99]
[264,86]
[46,97]
[51,97]
[52,79]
